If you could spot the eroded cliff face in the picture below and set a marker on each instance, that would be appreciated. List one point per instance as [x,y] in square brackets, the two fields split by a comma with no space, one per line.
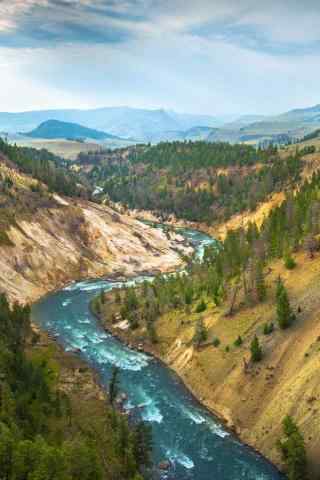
[77,239]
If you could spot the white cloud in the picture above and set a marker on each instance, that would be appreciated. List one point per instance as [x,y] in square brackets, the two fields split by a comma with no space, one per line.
[210,56]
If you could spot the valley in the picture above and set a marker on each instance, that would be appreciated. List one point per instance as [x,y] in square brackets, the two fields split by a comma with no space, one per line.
[159,240]
[102,239]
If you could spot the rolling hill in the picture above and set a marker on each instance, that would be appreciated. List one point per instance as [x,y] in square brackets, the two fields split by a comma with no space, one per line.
[54,129]
[294,124]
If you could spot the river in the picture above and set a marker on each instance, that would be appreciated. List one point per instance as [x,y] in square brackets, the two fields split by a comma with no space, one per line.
[197,444]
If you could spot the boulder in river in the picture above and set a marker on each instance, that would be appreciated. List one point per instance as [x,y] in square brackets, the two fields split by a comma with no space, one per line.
[164,465]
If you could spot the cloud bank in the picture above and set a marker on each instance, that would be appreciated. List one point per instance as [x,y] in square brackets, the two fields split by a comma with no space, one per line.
[208,56]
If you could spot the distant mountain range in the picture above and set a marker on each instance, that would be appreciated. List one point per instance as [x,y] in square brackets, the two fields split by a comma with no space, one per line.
[125,122]
[54,129]
[142,125]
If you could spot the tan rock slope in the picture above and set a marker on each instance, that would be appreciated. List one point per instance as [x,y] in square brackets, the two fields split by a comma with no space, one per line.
[68,239]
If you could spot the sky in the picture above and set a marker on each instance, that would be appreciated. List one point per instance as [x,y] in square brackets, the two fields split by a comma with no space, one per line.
[218,57]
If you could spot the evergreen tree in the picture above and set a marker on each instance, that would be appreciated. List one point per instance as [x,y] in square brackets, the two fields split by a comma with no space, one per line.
[256,350]
[200,334]
[285,316]
[292,448]
[114,385]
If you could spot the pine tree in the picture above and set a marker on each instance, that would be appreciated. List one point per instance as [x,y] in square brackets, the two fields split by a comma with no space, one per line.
[292,448]
[256,350]
[200,334]
[285,316]
[114,385]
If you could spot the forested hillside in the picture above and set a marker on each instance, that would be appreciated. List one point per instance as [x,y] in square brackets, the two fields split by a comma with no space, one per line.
[45,167]
[197,181]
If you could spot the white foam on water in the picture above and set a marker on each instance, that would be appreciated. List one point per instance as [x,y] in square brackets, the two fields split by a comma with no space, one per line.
[150,411]
[78,334]
[74,286]
[195,416]
[97,338]
[125,359]
[217,429]
[91,287]
[66,302]
[78,344]
[86,286]
[152,414]
[85,320]
[175,456]
[128,405]
[67,327]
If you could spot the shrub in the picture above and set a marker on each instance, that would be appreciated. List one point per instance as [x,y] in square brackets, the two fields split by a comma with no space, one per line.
[216,342]
[201,307]
[268,328]
[5,240]
[238,342]
[289,263]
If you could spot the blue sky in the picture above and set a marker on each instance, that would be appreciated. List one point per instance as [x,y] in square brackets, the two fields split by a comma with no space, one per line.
[204,56]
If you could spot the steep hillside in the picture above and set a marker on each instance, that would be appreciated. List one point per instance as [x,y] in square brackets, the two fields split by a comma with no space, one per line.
[53,129]
[253,399]
[47,240]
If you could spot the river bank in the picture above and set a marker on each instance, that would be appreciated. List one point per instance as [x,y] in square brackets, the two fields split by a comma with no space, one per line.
[148,348]
[158,351]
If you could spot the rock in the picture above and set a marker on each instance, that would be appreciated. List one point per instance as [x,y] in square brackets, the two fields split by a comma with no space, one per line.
[123,396]
[164,465]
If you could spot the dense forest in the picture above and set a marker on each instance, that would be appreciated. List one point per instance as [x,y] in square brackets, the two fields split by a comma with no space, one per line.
[197,181]
[46,434]
[237,263]
[47,168]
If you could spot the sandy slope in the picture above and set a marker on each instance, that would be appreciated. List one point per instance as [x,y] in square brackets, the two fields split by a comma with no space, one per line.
[78,241]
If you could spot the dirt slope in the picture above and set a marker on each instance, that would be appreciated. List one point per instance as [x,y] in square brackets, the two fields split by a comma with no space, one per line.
[54,240]
[253,400]
[285,382]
